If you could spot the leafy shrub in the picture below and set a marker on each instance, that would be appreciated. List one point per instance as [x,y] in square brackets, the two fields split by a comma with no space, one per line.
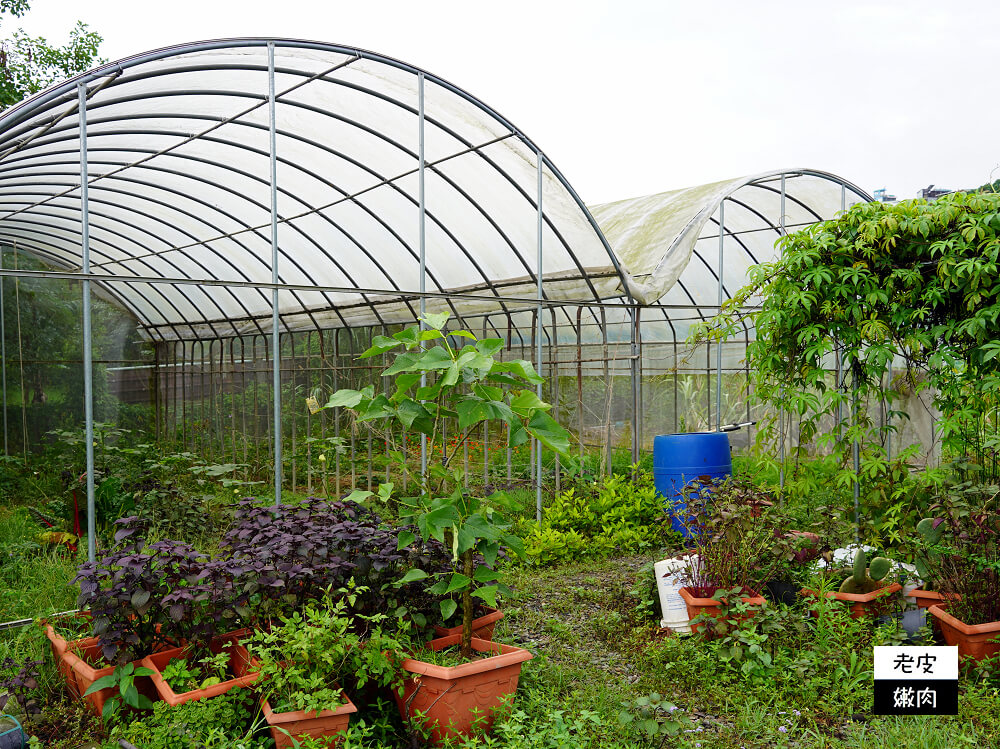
[225,721]
[20,685]
[622,514]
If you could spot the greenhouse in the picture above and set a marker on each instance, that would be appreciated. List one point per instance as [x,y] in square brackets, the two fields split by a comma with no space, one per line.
[210,254]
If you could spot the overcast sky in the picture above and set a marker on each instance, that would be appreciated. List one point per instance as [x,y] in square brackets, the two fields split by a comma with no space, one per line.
[630,98]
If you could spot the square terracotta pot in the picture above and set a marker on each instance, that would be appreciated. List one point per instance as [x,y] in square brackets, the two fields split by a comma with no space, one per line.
[84,675]
[973,640]
[861,604]
[697,605]
[451,697]
[285,727]
[158,661]
[482,626]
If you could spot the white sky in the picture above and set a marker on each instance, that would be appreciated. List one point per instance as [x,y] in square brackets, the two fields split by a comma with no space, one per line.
[634,97]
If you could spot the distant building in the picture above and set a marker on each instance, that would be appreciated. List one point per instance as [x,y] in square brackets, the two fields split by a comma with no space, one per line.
[929,193]
[882,196]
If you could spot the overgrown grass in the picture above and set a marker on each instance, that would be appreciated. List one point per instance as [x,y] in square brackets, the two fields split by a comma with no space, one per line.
[34,580]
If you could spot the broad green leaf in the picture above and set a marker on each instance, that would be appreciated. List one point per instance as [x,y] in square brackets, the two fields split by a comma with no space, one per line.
[458,582]
[404,382]
[377,408]
[103,683]
[488,593]
[414,415]
[403,363]
[109,709]
[144,703]
[489,552]
[433,524]
[380,344]
[344,398]
[471,411]
[436,320]
[434,359]
[484,574]
[448,607]
[526,402]
[404,539]
[489,346]
[412,576]
[358,495]
[438,588]
[521,368]
[130,696]
[545,429]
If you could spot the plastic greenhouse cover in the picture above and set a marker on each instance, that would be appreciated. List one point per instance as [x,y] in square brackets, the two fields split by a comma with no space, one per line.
[178,158]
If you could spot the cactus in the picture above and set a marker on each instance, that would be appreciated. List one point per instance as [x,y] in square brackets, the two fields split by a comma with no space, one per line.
[931,529]
[866,577]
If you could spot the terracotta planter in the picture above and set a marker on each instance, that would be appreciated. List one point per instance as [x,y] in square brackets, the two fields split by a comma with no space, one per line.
[482,626]
[973,640]
[83,675]
[697,605]
[927,598]
[59,646]
[452,697]
[862,604]
[288,726]
[158,661]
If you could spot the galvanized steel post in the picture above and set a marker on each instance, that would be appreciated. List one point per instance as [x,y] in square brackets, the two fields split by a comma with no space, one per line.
[275,316]
[538,337]
[781,413]
[718,351]
[88,354]
[3,357]
[422,229]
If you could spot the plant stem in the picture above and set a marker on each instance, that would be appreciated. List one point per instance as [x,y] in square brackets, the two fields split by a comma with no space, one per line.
[467,563]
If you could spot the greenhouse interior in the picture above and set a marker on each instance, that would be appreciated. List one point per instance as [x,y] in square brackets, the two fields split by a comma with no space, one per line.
[197,245]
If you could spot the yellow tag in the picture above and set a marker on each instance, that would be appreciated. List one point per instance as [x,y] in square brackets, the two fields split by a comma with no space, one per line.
[312,404]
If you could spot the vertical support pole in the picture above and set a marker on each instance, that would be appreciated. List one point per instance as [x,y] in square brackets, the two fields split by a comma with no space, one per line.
[856,449]
[275,317]
[634,371]
[781,414]
[422,224]
[3,356]
[538,337]
[88,353]
[718,346]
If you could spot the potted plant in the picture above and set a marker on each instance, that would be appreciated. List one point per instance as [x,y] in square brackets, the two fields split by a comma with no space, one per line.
[189,673]
[147,599]
[305,659]
[733,551]
[963,543]
[436,382]
[865,589]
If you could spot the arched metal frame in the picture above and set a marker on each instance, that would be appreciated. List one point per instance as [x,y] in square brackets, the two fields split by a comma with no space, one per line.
[162,215]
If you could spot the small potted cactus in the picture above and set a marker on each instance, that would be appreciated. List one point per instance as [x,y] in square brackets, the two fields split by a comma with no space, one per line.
[865,589]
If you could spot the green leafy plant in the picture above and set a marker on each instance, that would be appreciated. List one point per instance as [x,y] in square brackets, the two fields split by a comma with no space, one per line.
[123,679]
[436,383]
[653,716]
[183,676]
[307,657]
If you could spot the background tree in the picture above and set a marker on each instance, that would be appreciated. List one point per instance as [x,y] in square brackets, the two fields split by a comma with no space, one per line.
[30,64]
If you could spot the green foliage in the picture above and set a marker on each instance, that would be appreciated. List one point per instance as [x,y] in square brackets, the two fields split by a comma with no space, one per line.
[654,716]
[623,514]
[31,64]
[910,287]
[434,382]
[226,721]
[865,577]
[307,658]
[122,679]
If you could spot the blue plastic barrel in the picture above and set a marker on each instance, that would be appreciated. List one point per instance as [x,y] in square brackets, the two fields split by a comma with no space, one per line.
[679,459]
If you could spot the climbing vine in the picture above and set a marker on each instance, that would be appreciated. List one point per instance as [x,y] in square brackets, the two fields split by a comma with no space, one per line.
[907,298]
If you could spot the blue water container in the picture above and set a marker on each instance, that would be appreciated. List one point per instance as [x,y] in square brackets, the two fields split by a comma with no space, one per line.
[679,459]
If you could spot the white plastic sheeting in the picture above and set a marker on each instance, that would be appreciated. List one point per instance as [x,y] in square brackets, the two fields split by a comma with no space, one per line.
[668,243]
[179,160]
[179,189]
